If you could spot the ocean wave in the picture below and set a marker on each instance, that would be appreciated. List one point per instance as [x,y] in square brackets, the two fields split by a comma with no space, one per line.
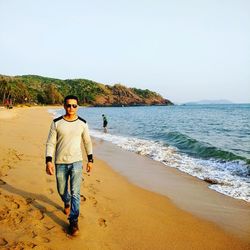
[54,112]
[229,177]
[200,149]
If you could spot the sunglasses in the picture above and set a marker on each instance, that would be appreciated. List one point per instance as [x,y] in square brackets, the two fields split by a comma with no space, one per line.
[71,105]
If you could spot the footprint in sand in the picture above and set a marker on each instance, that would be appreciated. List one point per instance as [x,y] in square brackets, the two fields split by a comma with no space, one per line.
[42,239]
[22,245]
[29,200]
[93,200]
[43,210]
[49,227]
[4,213]
[2,182]
[37,214]
[114,215]
[83,198]
[98,180]
[91,188]
[32,245]
[2,173]
[102,222]
[45,239]
[18,156]
[17,219]
[51,190]
[34,234]
[16,205]
[4,169]
[3,242]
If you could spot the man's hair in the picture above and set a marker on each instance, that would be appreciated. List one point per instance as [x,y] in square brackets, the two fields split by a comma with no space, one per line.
[70,97]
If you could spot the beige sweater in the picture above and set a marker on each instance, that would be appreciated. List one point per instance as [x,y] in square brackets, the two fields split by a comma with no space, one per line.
[64,141]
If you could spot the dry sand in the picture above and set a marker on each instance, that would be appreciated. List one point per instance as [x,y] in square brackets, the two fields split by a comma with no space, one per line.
[115,214]
[6,113]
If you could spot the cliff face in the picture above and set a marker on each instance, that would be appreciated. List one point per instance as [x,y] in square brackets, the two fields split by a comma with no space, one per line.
[118,95]
[46,90]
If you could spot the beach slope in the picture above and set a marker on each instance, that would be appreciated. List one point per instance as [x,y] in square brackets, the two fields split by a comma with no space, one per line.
[115,214]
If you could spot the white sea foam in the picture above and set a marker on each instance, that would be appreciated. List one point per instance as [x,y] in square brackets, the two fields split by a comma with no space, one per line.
[230,177]
[53,112]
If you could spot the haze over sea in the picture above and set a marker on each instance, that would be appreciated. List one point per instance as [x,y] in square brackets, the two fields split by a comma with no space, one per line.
[210,142]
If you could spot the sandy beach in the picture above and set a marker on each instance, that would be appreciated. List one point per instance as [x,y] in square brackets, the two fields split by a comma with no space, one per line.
[115,212]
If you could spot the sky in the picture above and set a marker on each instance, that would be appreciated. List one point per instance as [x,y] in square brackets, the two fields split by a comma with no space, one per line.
[184,50]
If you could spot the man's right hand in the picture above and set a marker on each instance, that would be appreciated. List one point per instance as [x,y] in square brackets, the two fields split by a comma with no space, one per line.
[50,170]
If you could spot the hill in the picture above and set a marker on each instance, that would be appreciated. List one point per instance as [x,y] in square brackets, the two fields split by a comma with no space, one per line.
[34,89]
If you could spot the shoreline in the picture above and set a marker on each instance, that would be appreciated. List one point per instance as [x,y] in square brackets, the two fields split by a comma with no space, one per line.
[113,210]
[185,191]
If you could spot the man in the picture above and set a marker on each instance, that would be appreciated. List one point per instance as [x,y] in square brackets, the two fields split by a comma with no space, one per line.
[105,123]
[64,142]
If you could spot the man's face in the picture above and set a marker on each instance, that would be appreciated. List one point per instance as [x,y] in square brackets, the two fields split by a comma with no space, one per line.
[71,107]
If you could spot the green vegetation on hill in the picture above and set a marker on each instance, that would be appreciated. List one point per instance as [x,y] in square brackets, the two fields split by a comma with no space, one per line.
[33,89]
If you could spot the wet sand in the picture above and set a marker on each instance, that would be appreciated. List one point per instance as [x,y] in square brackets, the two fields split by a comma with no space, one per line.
[115,213]
[187,192]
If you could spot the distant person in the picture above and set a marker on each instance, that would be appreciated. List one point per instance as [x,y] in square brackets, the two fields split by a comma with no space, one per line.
[10,103]
[6,103]
[105,123]
[64,141]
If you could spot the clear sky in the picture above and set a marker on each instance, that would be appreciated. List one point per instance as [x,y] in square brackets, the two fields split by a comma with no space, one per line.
[184,50]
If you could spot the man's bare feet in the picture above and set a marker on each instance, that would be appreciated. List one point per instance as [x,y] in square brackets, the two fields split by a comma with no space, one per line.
[67,209]
[73,228]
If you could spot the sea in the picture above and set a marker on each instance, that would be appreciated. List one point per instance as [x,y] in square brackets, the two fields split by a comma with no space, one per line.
[209,142]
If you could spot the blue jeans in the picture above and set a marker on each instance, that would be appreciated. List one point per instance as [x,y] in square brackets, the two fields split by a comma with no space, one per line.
[72,172]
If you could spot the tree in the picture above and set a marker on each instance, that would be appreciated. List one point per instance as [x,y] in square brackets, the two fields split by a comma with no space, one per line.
[5,88]
[53,96]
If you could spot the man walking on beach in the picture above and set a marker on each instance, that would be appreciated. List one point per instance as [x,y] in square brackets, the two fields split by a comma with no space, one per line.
[64,142]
